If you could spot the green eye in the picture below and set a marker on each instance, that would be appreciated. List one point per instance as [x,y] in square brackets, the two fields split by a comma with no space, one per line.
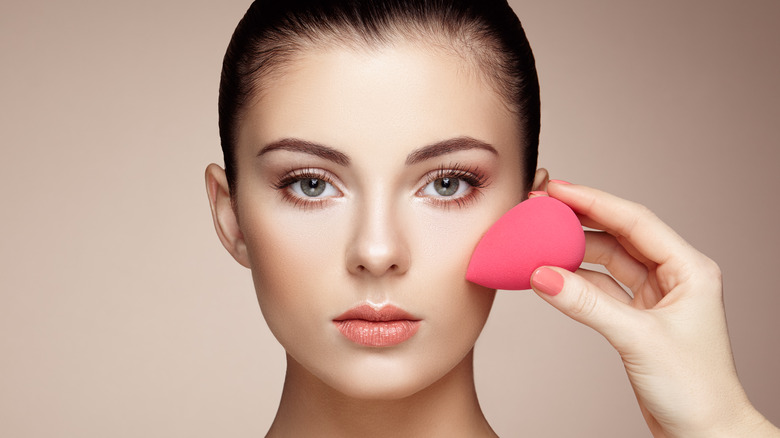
[446,186]
[313,187]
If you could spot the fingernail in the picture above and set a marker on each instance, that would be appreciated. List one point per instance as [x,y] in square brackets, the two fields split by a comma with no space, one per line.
[560,182]
[536,193]
[548,281]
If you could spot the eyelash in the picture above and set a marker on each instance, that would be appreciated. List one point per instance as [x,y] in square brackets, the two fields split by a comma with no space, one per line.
[296,175]
[472,176]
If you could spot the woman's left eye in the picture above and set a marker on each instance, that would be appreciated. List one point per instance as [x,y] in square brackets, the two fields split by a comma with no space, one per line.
[447,187]
[454,185]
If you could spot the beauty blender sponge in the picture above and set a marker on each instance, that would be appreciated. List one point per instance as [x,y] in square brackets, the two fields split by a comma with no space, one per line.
[541,231]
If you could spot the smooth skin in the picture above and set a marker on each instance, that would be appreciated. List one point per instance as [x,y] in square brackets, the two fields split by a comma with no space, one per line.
[670,331]
[378,234]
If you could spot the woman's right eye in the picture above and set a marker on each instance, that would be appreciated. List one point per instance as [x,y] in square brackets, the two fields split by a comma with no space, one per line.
[313,188]
[307,188]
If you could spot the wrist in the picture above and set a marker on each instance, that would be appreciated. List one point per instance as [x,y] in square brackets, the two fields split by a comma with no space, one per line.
[743,422]
[754,424]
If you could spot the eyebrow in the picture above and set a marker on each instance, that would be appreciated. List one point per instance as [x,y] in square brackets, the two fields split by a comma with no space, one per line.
[446,147]
[424,153]
[307,147]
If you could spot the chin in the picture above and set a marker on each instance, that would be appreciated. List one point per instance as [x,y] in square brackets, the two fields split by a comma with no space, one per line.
[383,376]
[380,390]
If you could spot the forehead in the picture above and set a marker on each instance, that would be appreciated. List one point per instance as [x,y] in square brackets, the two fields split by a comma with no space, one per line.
[383,100]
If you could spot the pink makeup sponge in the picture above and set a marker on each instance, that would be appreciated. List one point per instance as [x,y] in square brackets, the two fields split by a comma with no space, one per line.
[540,231]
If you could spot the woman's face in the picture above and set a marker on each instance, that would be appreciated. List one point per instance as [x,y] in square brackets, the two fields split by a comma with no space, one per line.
[366,178]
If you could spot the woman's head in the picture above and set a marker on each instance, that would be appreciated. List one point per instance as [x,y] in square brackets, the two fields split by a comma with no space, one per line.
[485,34]
[364,173]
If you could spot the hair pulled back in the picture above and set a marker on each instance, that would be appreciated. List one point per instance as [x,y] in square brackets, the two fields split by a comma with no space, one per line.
[485,33]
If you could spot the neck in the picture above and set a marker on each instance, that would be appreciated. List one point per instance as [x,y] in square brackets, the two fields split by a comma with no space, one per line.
[448,407]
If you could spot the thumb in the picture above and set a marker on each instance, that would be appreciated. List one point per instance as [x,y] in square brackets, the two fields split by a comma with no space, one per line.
[586,303]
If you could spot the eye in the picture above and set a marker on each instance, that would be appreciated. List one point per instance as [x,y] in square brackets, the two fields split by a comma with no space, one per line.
[313,188]
[447,187]
[307,188]
[453,185]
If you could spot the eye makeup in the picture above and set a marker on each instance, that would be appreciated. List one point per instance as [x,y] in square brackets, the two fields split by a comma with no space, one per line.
[312,180]
[447,186]
[444,177]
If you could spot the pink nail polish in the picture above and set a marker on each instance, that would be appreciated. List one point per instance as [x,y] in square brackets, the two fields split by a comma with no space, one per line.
[560,182]
[547,281]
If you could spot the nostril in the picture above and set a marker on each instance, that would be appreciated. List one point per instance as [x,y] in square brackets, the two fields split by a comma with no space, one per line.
[392,268]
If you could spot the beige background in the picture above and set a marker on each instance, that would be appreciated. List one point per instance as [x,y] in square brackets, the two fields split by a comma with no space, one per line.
[121,315]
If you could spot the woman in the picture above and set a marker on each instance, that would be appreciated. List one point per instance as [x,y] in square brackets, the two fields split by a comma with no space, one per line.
[368,146]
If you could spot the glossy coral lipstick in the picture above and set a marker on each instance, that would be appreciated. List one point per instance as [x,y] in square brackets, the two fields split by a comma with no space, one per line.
[383,327]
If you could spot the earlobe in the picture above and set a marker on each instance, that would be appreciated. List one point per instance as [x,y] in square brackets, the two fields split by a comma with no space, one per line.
[541,178]
[223,214]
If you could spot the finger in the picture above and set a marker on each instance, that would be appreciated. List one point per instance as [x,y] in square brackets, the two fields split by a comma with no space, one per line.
[536,194]
[584,302]
[648,234]
[593,225]
[635,253]
[590,223]
[606,283]
[627,265]
[604,249]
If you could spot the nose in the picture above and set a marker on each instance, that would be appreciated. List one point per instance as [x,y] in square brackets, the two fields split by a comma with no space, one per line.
[378,246]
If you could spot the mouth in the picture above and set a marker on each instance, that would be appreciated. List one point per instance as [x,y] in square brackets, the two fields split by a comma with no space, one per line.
[383,327]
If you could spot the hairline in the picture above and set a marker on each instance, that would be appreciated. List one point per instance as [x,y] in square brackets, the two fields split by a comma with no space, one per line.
[435,40]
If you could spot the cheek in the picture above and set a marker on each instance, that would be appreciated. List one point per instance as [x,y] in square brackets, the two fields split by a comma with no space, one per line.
[295,260]
[444,241]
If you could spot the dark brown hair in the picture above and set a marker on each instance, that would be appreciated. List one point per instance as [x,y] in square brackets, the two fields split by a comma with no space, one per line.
[485,33]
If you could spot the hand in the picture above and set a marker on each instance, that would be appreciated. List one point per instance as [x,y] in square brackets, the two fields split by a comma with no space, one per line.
[670,331]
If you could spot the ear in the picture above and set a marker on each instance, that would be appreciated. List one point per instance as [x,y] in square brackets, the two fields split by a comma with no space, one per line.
[541,178]
[223,214]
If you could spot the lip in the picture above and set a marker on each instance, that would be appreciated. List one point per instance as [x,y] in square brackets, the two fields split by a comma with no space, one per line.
[383,327]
